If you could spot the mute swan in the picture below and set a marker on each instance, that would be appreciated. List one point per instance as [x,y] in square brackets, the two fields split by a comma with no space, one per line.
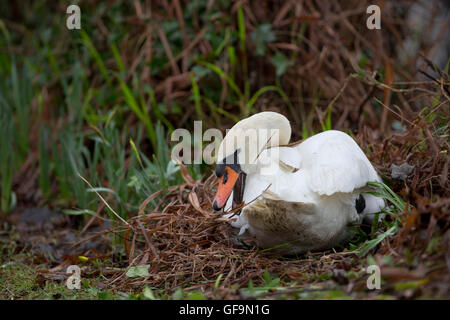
[304,196]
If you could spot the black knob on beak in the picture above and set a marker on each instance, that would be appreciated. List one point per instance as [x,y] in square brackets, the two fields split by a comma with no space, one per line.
[215,206]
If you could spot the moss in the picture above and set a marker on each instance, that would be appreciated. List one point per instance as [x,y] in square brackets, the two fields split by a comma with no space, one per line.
[20,279]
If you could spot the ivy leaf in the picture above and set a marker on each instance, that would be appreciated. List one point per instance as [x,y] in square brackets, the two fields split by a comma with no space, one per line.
[281,63]
[200,72]
[261,36]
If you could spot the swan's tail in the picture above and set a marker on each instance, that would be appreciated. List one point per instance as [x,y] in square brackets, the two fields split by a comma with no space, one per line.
[373,205]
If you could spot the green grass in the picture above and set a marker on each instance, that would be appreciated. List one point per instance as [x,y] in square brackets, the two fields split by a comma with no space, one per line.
[92,138]
[27,285]
[386,227]
[95,98]
[87,132]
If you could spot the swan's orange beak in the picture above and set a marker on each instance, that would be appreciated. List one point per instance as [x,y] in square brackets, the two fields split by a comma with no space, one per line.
[226,184]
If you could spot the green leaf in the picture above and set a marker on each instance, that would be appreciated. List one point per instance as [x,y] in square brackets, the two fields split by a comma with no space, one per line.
[262,35]
[196,295]
[138,271]
[281,63]
[196,95]
[148,293]
[267,277]
[369,245]
[371,260]
[178,294]
[410,284]
[200,72]
[105,295]
[172,168]
[223,75]
[216,284]
[96,55]
[136,153]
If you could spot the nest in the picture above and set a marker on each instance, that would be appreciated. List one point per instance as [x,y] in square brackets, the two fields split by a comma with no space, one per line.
[188,245]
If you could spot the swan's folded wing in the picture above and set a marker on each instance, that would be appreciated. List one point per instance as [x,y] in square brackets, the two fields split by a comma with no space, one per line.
[289,157]
[336,164]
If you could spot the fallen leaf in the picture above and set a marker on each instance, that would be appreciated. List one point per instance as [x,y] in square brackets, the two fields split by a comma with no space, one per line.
[138,271]
[401,172]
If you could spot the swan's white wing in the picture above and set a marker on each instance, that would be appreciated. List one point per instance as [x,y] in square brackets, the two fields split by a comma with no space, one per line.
[335,163]
[289,156]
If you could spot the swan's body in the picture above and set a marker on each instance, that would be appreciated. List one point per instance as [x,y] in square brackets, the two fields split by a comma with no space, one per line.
[306,195]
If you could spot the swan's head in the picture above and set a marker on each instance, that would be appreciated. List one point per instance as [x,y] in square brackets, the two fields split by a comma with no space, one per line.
[238,153]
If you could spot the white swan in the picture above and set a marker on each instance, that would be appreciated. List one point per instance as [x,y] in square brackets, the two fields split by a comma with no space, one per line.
[302,196]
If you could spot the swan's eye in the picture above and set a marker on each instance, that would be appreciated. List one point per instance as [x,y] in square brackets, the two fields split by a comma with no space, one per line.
[231,162]
[225,177]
